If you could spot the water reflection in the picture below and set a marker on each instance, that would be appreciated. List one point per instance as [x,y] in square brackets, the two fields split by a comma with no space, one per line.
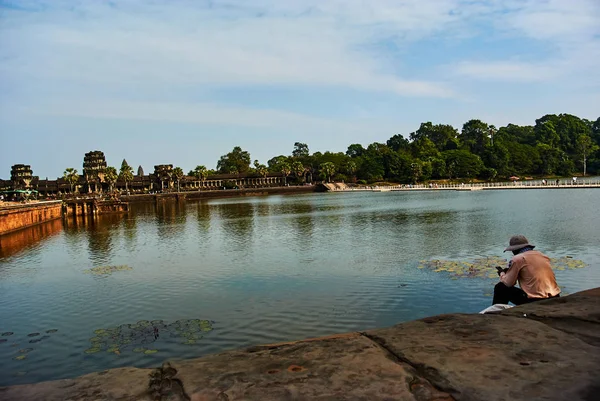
[237,222]
[171,218]
[23,240]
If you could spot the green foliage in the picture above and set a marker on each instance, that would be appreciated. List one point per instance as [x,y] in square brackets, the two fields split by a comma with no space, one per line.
[445,137]
[328,170]
[276,162]
[397,142]
[126,173]
[475,136]
[298,170]
[300,150]
[462,163]
[110,176]
[235,162]
[355,150]
[71,177]
[200,173]
[178,174]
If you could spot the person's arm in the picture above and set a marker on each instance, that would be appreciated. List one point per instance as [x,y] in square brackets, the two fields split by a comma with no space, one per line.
[510,277]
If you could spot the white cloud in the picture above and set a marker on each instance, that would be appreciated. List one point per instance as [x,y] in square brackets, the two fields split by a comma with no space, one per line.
[292,43]
[569,32]
[507,71]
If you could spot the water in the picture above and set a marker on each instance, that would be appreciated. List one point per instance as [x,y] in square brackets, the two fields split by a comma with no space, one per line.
[267,269]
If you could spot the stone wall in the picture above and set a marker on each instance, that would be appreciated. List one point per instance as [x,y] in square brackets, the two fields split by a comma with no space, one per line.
[13,218]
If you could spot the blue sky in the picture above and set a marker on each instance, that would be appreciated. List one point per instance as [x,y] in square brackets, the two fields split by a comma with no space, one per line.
[183,82]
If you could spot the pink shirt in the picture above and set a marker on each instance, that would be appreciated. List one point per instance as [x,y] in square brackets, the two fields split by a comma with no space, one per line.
[533,271]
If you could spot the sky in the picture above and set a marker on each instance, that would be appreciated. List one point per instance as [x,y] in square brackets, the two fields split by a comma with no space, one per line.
[184,81]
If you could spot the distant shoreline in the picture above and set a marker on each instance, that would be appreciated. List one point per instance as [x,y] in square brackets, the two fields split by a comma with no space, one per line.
[222,193]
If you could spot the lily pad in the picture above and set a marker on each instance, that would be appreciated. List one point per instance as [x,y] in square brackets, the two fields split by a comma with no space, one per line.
[20,357]
[92,350]
[33,334]
[3,340]
[25,350]
[7,333]
[150,351]
[51,331]
[139,349]
[106,270]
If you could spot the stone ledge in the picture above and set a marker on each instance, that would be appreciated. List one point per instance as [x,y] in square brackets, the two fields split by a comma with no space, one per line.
[543,351]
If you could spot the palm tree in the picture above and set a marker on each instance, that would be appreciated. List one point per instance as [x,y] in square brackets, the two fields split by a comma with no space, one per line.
[285,170]
[298,169]
[328,168]
[126,174]
[201,173]
[110,176]
[178,174]
[262,170]
[71,177]
[351,169]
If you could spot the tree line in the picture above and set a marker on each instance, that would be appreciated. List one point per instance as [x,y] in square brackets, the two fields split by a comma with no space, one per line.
[557,145]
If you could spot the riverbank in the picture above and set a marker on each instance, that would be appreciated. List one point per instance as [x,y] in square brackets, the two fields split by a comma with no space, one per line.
[547,350]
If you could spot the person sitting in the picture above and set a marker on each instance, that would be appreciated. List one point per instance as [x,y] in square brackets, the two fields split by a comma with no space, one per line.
[531,269]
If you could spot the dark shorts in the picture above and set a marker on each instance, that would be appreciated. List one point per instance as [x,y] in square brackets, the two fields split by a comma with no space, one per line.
[504,294]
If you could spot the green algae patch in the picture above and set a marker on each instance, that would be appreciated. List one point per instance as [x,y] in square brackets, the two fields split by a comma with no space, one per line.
[475,268]
[106,270]
[486,267]
[136,337]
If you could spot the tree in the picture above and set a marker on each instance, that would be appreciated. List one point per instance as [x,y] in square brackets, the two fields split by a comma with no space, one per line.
[110,176]
[285,170]
[351,168]
[178,174]
[300,150]
[71,177]
[262,170]
[200,172]
[585,147]
[424,149]
[398,142]
[126,173]
[328,170]
[475,136]
[462,163]
[355,150]
[275,163]
[237,159]
[417,170]
[442,135]
[298,169]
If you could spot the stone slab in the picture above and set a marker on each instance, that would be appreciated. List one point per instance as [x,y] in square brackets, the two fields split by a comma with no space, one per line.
[506,356]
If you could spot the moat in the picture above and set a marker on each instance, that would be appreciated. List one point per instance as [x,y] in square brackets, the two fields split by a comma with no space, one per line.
[226,273]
